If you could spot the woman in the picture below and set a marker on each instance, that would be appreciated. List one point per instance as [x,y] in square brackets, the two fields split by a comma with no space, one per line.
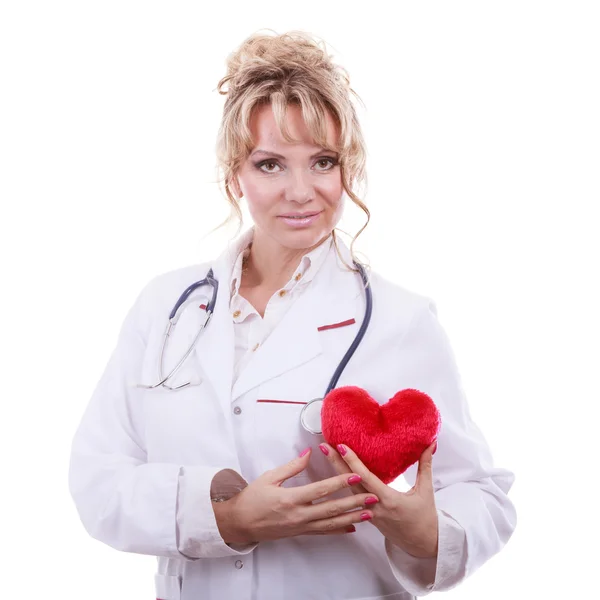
[218,479]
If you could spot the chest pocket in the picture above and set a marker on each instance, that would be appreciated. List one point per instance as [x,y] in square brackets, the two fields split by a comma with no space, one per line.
[281,436]
[279,432]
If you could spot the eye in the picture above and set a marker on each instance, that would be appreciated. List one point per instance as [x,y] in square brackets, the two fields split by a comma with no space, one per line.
[268,166]
[327,159]
[264,163]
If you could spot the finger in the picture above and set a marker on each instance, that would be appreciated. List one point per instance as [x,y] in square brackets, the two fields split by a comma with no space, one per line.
[279,474]
[339,465]
[370,482]
[349,518]
[336,461]
[424,480]
[334,458]
[305,494]
[341,530]
[333,508]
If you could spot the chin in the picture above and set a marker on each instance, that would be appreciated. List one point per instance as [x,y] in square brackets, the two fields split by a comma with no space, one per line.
[302,239]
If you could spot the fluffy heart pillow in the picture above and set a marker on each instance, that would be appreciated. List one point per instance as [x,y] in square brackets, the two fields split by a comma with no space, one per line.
[387,438]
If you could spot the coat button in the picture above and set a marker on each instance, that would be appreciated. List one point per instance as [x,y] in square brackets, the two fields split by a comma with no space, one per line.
[239,564]
[237,410]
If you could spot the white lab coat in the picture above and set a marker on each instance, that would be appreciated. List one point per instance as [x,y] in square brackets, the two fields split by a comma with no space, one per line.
[133,445]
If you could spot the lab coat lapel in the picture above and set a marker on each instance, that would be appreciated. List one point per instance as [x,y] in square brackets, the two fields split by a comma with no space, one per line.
[215,350]
[331,297]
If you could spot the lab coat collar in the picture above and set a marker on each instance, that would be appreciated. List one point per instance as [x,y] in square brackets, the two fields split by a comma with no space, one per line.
[306,270]
[330,298]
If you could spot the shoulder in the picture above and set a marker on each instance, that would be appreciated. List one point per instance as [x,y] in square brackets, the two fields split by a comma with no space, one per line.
[160,293]
[395,307]
[398,307]
[409,320]
[176,281]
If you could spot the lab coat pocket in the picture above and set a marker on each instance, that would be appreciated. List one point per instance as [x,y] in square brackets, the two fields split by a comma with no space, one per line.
[280,435]
[168,587]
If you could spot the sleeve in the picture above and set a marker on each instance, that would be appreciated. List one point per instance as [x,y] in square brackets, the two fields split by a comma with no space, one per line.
[122,500]
[476,517]
[419,576]
[196,524]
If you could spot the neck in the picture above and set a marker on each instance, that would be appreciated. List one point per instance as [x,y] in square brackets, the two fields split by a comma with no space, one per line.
[270,265]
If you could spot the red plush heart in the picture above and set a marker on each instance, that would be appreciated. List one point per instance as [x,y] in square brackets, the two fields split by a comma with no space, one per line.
[387,438]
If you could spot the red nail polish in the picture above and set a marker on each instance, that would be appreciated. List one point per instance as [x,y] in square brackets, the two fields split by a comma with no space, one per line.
[324,449]
[365,517]
[434,449]
[304,452]
[354,479]
[371,500]
[342,449]
[351,529]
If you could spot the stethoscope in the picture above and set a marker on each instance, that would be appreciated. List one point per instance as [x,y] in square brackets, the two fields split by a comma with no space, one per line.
[310,416]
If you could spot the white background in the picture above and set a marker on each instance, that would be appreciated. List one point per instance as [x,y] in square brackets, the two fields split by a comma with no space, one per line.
[482,122]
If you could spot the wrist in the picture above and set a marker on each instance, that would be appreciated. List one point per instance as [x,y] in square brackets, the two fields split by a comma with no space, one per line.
[427,545]
[227,523]
[419,542]
[424,550]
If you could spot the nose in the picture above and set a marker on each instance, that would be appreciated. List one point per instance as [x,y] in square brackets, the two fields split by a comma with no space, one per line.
[299,188]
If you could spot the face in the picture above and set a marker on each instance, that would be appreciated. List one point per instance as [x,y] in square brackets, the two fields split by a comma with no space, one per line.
[293,190]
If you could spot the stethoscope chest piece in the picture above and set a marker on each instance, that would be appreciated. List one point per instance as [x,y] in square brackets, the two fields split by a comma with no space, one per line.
[310,417]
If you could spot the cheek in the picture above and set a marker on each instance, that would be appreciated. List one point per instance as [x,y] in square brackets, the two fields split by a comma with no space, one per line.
[259,197]
[263,196]
[331,189]
[260,205]
[332,194]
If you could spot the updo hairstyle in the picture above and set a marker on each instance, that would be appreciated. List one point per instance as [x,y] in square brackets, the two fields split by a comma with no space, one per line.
[291,68]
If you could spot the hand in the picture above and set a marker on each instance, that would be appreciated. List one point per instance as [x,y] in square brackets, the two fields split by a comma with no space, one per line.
[266,511]
[407,519]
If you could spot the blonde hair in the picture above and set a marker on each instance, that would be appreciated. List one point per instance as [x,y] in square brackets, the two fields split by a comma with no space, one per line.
[291,68]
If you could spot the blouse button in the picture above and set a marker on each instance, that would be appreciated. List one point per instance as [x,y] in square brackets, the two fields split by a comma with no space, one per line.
[282,293]
[237,410]
[239,564]
[237,313]
[297,278]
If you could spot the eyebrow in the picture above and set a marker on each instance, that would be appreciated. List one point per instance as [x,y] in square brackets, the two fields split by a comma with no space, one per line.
[320,151]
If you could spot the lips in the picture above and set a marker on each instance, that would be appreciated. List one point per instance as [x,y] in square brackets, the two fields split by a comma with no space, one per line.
[299,215]
[300,220]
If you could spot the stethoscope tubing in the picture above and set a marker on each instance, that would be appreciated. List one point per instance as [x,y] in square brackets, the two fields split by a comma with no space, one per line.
[212,281]
[208,280]
[361,332]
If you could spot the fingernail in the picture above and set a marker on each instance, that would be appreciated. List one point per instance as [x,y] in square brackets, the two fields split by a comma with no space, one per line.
[304,452]
[342,449]
[354,479]
[351,529]
[371,500]
[365,517]
[434,449]
[324,449]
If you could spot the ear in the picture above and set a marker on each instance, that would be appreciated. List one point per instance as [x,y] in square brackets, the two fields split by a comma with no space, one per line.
[234,185]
